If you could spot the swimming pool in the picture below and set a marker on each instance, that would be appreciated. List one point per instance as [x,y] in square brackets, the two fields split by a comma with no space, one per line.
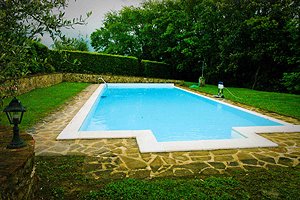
[163,117]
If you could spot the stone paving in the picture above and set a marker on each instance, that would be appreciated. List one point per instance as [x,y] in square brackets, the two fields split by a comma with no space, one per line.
[119,158]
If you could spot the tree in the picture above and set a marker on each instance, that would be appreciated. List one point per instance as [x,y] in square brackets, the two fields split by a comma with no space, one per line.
[244,43]
[257,48]
[21,22]
[120,33]
[73,44]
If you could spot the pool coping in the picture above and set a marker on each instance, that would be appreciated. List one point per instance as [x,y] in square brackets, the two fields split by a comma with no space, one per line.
[148,143]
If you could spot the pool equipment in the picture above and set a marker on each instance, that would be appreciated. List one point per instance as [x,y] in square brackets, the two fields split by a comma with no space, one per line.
[201,81]
[105,83]
[220,90]
[232,93]
[194,86]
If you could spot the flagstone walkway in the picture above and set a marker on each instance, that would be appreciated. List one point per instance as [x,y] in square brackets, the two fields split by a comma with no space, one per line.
[119,158]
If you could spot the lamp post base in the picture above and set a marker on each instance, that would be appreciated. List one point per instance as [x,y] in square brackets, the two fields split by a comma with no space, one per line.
[16,145]
[16,142]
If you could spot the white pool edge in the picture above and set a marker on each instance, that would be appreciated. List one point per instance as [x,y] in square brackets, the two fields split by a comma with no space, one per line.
[148,143]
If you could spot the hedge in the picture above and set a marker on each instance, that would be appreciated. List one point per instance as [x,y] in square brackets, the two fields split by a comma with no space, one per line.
[38,54]
[155,69]
[95,63]
[100,63]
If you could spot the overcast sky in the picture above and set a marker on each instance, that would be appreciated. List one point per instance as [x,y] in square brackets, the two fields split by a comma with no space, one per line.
[99,9]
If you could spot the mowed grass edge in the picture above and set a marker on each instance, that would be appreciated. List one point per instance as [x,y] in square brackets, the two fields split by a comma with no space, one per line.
[281,103]
[42,101]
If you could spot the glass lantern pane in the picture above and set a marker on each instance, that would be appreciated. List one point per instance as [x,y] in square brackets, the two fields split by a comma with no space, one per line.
[8,114]
[16,117]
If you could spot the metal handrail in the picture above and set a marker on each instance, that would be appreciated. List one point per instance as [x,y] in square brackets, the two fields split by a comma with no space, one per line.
[100,78]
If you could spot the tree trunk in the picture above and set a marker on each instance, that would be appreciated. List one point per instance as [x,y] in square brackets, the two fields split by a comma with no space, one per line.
[256,77]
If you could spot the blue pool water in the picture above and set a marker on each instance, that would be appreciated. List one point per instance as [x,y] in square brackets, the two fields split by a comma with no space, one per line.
[172,114]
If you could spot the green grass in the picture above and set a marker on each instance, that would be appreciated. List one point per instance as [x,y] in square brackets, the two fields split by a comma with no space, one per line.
[281,103]
[209,188]
[65,177]
[40,102]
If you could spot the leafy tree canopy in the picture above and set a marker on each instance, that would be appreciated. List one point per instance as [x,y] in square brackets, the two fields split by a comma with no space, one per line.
[79,44]
[244,43]
[21,22]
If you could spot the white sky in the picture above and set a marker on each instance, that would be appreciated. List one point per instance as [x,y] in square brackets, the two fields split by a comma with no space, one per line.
[99,9]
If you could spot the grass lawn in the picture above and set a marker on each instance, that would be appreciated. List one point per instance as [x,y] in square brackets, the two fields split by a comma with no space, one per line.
[40,102]
[281,103]
[66,178]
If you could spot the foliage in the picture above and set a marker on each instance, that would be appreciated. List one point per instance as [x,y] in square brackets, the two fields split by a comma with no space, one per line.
[231,37]
[39,58]
[40,102]
[73,44]
[24,21]
[121,38]
[89,62]
[281,103]
[292,81]
[100,63]
[157,69]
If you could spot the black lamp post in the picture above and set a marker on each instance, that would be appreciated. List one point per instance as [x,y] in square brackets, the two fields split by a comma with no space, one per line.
[14,112]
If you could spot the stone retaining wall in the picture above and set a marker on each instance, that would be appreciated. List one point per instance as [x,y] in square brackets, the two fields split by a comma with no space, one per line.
[27,84]
[17,171]
[91,78]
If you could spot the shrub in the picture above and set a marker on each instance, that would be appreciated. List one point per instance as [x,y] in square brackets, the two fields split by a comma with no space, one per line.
[39,61]
[100,63]
[95,63]
[73,44]
[157,69]
[292,82]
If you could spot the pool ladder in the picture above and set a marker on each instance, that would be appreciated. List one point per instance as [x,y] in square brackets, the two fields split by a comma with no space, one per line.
[106,85]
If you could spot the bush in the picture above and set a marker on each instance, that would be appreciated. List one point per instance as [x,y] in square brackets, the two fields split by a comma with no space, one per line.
[157,69]
[39,61]
[292,82]
[73,44]
[95,63]
[99,63]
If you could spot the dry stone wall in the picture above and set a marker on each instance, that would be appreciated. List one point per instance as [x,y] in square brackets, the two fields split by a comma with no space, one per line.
[91,78]
[27,84]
